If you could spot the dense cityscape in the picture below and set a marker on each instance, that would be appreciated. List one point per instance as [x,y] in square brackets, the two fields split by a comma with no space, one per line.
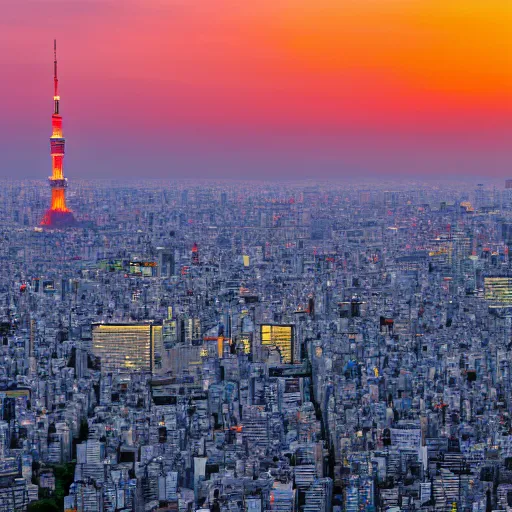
[250,346]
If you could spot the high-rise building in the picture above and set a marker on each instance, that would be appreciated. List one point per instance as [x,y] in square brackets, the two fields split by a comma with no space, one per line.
[195,254]
[126,347]
[359,494]
[318,496]
[280,337]
[282,498]
[498,289]
[58,215]
[166,263]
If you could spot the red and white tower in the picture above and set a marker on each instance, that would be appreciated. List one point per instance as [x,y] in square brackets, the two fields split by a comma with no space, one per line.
[58,215]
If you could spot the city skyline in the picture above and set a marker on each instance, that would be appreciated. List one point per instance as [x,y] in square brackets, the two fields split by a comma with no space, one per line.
[281,277]
[178,90]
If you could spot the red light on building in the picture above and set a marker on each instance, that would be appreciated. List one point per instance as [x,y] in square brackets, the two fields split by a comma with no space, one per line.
[195,254]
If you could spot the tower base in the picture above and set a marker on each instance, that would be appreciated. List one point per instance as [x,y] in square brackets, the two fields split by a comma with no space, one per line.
[58,219]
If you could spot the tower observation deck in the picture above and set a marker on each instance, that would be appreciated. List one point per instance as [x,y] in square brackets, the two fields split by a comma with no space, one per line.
[58,215]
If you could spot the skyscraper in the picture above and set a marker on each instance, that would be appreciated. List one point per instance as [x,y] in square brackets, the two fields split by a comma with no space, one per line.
[280,337]
[126,347]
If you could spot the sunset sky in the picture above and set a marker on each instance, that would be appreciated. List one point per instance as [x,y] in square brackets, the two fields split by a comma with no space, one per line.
[273,88]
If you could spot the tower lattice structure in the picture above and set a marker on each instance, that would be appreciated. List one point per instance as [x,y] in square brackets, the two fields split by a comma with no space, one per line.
[58,215]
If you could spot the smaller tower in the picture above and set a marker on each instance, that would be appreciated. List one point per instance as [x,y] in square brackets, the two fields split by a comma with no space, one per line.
[195,254]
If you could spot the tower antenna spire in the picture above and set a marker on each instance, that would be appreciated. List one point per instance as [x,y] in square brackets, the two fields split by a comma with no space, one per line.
[55,79]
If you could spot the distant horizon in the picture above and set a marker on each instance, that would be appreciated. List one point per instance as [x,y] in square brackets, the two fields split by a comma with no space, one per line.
[337,180]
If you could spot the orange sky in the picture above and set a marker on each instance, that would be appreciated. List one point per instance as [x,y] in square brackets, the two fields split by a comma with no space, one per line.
[356,71]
